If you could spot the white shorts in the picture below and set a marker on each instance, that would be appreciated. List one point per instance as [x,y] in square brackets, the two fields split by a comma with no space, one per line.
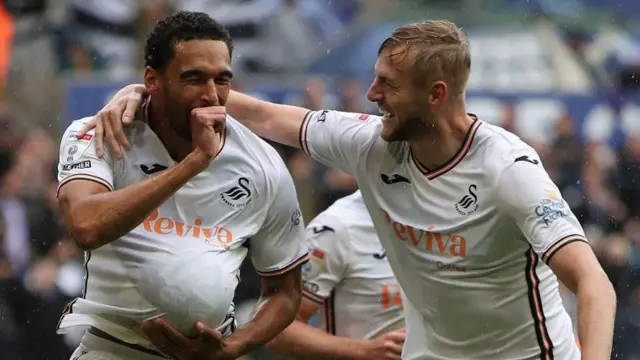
[96,348]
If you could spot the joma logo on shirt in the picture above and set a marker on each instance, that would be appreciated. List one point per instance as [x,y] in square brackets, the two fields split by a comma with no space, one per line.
[157,224]
[433,242]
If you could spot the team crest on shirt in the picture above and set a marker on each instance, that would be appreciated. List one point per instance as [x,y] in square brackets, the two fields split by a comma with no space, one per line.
[74,148]
[468,205]
[239,195]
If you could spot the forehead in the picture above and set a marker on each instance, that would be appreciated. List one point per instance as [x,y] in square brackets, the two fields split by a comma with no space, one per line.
[204,55]
[394,63]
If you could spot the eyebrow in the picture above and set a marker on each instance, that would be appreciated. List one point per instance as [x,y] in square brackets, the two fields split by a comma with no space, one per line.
[226,73]
[197,73]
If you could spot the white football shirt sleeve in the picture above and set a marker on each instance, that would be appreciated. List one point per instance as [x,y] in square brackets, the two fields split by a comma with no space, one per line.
[78,159]
[526,192]
[279,245]
[328,258]
[337,139]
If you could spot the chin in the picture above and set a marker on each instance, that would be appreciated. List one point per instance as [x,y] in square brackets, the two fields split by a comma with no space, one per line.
[389,133]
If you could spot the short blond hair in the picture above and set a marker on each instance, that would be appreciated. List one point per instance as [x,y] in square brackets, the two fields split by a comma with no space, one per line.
[440,49]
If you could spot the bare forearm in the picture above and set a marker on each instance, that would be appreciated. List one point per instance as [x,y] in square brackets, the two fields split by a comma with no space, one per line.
[278,311]
[101,218]
[276,122]
[302,341]
[596,315]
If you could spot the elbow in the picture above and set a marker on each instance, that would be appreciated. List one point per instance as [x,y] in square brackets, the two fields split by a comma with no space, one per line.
[599,289]
[85,236]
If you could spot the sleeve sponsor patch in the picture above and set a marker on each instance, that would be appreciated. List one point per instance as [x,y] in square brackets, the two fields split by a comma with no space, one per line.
[77,166]
[310,287]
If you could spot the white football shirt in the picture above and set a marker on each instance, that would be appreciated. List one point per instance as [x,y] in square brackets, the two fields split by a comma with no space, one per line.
[184,259]
[468,242]
[348,273]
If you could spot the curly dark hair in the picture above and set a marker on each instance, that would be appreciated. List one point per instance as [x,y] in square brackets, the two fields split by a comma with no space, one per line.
[181,26]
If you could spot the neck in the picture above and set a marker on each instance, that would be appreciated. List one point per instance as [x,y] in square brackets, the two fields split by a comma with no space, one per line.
[437,146]
[177,147]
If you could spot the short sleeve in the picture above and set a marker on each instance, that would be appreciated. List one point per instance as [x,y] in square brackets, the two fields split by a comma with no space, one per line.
[78,159]
[328,259]
[338,139]
[278,246]
[526,192]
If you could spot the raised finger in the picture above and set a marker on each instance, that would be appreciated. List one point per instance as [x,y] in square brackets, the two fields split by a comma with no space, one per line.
[131,107]
[99,136]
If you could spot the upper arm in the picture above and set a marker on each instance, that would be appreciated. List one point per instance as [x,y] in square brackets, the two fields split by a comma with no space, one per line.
[276,122]
[81,172]
[337,139]
[327,259]
[278,248]
[287,283]
[525,192]
[574,263]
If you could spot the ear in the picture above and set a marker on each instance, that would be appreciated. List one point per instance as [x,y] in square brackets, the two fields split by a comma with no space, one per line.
[151,79]
[438,93]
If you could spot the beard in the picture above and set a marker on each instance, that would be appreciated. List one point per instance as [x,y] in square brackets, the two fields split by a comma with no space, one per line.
[408,127]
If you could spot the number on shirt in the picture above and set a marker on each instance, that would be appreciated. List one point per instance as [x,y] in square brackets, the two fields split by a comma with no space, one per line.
[391,296]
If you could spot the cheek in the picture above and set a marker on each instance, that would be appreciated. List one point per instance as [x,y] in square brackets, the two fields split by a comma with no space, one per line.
[223,93]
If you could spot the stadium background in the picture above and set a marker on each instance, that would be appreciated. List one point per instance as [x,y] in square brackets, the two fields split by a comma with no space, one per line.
[561,74]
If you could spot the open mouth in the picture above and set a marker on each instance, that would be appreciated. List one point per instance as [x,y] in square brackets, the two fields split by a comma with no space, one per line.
[386,115]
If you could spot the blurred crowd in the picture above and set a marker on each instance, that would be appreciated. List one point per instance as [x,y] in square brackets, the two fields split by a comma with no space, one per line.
[41,269]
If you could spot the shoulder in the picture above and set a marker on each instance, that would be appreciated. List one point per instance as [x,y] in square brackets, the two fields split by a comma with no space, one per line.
[498,150]
[75,126]
[73,148]
[351,120]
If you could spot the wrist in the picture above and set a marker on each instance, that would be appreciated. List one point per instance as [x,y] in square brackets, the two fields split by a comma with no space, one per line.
[197,160]
[233,349]
[361,350]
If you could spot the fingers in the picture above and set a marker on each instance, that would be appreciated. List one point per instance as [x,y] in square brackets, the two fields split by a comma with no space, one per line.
[132,105]
[99,139]
[208,333]
[117,127]
[86,127]
[163,336]
[396,337]
[116,151]
[394,348]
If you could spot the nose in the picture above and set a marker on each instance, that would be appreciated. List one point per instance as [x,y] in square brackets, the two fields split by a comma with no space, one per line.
[209,95]
[373,94]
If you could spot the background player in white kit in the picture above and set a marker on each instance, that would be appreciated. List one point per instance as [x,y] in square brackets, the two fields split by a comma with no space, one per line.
[347,278]
[474,229]
[166,228]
